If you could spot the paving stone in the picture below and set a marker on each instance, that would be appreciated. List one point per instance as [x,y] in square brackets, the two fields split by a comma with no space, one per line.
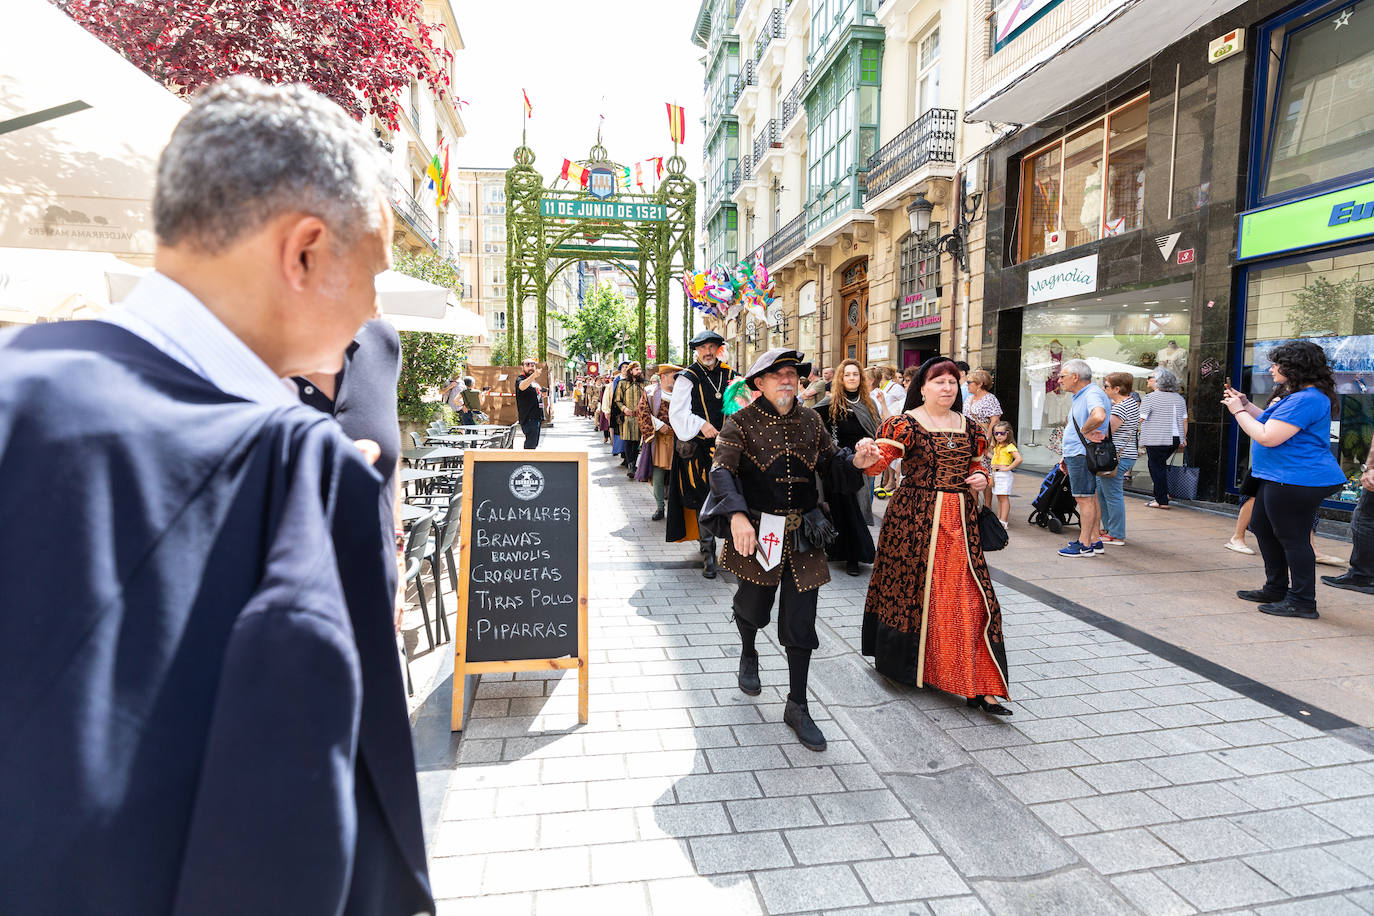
[1126,776]
[956,906]
[1129,809]
[511,872]
[1324,751]
[1186,768]
[809,888]
[1286,829]
[1123,850]
[773,813]
[1179,716]
[836,752]
[1243,734]
[998,761]
[1303,872]
[1331,905]
[1210,838]
[1052,756]
[849,680]
[665,763]
[602,898]
[722,894]
[717,787]
[1071,892]
[1358,854]
[799,781]
[758,757]
[1112,748]
[1276,790]
[1046,785]
[1220,885]
[1201,800]
[978,824]
[1338,781]
[642,860]
[911,878]
[858,776]
[1151,895]
[1355,816]
[576,828]
[496,905]
[688,820]
[895,738]
[1046,730]
[1063,818]
[905,838]
[859,807]
[1185,740]
[739,852]
[847,843]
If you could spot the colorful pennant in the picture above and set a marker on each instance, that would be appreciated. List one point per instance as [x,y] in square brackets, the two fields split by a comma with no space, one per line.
[677,122]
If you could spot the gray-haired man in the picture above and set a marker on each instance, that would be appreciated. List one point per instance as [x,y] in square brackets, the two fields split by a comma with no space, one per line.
[1089,410]
[203,684]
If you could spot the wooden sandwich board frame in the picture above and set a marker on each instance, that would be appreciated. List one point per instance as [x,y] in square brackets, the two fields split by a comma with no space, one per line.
[462,667]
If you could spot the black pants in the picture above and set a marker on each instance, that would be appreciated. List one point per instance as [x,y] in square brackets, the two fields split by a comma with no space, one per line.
[531,429]
[1362,534]
[1282,523]
[796,610]
[631,453]
[1158,458]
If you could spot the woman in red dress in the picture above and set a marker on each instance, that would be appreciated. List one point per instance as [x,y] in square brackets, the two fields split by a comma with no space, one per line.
[931,617]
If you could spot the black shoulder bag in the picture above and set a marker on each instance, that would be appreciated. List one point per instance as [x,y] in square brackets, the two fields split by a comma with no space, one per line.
[1099,456]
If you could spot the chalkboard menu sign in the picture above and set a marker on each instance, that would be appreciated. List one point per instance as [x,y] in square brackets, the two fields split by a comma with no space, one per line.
[522,596]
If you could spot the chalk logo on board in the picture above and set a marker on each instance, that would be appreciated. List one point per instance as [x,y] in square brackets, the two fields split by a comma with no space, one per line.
[526,482]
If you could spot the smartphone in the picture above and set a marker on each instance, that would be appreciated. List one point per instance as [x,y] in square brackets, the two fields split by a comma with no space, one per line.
[1228,381]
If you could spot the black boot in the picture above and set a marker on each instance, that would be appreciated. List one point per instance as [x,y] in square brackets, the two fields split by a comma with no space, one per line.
[749,682]
[657,516]
[798,718]
[707,546]
[1259,595]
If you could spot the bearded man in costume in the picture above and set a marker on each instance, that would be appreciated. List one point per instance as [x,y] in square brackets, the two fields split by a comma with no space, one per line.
[764,501]
[696,413]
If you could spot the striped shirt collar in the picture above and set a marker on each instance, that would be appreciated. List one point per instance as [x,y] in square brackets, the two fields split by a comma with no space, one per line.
[164,313]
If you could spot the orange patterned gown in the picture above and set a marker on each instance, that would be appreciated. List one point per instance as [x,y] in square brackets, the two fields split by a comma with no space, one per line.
[931,617]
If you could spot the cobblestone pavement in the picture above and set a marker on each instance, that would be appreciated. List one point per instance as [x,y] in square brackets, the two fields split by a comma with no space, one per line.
[1124,783]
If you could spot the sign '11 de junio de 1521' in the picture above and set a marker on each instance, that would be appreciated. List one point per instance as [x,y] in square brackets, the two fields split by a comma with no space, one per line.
[567,208]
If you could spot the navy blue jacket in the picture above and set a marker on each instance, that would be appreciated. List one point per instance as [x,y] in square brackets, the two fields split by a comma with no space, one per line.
[201,707]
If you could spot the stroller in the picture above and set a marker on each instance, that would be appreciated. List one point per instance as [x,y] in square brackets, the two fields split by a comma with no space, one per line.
[1055,506]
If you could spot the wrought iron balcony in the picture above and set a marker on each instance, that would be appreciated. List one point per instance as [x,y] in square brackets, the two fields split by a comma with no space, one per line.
[462,207]
[741,174]
[411,212]
[447,252]
[748,77]
[769,138]
[791,103]
[772,28]
[464,246]
[930,138]
[739,5]
[785,241]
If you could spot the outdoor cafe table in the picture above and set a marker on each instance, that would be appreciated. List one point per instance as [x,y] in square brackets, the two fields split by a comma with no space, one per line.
[473,440]
[427,455]
[410,513]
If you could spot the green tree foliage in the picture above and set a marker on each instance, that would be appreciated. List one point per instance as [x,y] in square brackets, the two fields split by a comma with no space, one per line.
[428,361]
[503,355]
[1323,308]
[605,324]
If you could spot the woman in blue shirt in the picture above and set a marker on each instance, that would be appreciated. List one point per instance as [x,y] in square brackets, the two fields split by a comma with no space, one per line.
[1291,459]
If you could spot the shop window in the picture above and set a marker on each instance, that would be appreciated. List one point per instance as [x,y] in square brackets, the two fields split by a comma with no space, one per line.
[807,336]
[919,291]
[1130,331]
[1318,72]
[1086,185]
[1331,301]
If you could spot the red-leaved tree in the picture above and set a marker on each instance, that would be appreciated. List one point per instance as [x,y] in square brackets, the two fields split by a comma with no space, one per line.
[360,53]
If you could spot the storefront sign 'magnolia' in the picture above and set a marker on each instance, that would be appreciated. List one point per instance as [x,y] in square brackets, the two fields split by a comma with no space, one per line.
[1058,281]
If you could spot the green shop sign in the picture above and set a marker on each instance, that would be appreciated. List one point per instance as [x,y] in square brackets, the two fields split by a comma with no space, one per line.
[561,208]
[1336,216]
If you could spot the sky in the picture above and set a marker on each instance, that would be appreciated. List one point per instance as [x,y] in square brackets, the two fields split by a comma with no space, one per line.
[578,61]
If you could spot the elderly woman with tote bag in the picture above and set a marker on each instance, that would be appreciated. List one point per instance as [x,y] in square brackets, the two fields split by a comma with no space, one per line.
[1163,430]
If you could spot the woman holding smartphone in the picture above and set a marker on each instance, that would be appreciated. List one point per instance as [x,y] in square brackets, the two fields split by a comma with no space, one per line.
[1290,458]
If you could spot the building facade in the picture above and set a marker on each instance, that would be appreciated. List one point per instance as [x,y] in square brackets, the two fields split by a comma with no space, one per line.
[1199,200]
[478,242]
[844,113]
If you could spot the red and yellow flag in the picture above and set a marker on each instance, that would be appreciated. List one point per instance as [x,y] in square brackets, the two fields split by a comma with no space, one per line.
[573,172]
[529,109]
[677,122]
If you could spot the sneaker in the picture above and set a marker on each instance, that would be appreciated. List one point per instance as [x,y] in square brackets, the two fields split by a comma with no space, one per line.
[1114,542]
[1258,595]
[1289,608]
[1076,549]
[1351,581]
[1097,548]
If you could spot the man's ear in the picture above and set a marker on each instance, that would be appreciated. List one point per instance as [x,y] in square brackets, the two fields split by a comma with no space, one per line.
[302,250]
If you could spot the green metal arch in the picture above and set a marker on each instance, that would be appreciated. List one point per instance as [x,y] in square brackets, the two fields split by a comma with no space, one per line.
[534,242]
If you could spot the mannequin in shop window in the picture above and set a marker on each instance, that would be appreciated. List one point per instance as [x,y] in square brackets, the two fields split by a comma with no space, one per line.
[1174,358]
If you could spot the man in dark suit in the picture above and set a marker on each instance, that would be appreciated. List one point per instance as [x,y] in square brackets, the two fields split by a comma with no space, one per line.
[200,697]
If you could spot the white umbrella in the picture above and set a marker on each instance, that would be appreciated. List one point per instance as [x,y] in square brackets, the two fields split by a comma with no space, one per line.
[40,284]
[80,133]
[1099,366]
[456,320]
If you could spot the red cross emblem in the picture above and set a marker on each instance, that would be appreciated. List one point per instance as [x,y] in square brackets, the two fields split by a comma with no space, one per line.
[772,541]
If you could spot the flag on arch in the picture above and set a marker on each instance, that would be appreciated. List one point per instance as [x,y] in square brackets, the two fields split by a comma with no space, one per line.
[677,122]
[573,172]
[529,109]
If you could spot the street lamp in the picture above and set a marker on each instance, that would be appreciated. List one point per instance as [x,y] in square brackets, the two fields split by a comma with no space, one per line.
[955,243]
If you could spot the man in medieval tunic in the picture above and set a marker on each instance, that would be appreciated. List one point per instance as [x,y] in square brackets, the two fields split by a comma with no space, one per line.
[764,502]
[697,412]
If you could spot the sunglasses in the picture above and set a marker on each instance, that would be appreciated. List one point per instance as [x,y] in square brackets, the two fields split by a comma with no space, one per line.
[999,434]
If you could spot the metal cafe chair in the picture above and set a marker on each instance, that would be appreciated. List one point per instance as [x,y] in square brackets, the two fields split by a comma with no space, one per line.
[412,572]
[417,539]
[441,547]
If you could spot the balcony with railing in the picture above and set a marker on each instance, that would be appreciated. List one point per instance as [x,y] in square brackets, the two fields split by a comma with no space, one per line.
[741,174]
[772,30]
[411,212]
[463,246]
[784,242]
[461,207]
[930,138]
[792,102]
[769,138]
[748,78]
[494,209]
